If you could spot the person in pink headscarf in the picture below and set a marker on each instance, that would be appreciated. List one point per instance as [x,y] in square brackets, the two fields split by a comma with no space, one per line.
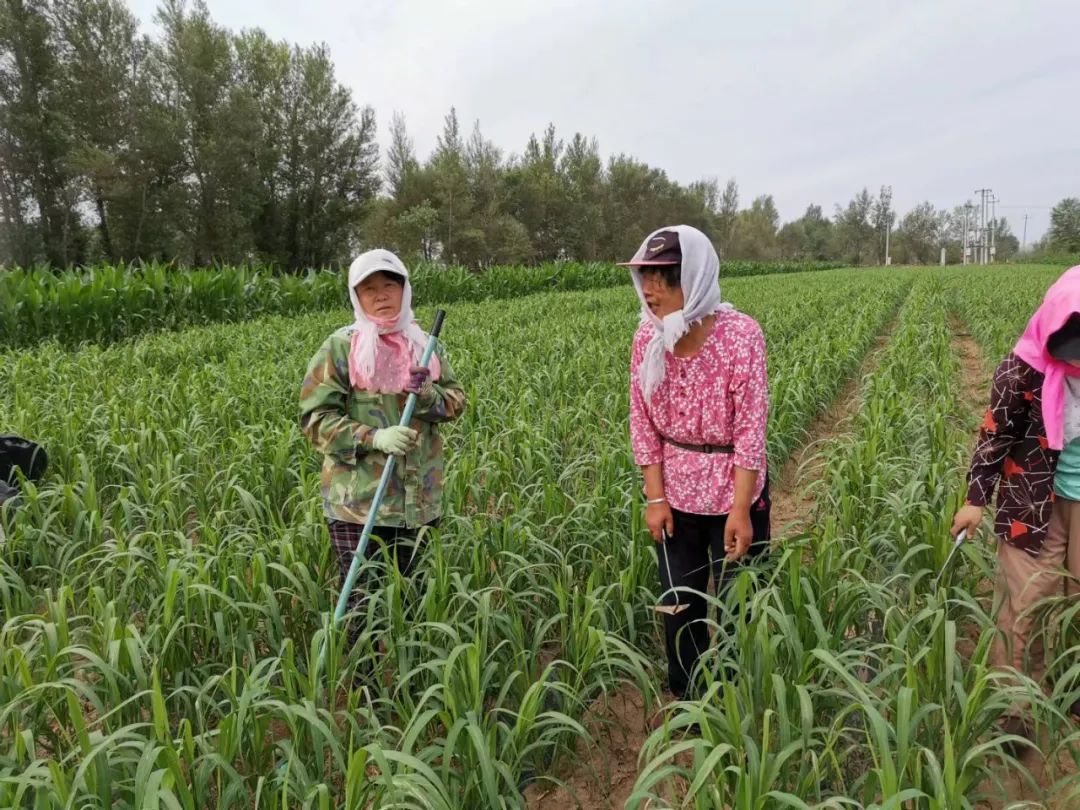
[1029,451]
[351,402]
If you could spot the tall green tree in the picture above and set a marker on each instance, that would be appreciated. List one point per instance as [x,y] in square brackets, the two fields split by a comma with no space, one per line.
[264,80]
[500,238]
[1005,241]
[808,237]
[921,235]
[634,204]
[40,192]
[450,183]
[756,230]
[853,230]
[726,216]
[1064,234]
[539,197]
[331,164]
[219,129]
[99,48]
[405,221]
[583,173]
[150,206]
[402,166]
[883,217]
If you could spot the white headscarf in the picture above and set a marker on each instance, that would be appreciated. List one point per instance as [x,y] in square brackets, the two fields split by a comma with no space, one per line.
[366,332]
[701,294]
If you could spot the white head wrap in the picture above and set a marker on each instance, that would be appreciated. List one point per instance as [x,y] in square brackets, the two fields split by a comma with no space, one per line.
[701,298]
[363,266]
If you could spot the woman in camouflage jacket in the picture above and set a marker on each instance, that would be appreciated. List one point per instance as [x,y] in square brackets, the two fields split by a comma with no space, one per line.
[351,402]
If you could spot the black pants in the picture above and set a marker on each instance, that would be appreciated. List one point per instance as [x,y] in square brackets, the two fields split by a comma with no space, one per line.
[694,551]
[402,545]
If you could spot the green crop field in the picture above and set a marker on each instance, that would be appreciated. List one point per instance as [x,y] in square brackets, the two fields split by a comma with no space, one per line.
[107,303]
[165,592]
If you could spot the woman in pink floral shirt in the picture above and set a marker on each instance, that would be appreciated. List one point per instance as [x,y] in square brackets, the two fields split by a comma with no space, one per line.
[699,402]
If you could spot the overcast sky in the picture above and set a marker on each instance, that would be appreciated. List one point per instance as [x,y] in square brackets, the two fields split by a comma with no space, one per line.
[807,100]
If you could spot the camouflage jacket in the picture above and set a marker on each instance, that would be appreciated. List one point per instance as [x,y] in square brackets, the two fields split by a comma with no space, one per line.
[340,421]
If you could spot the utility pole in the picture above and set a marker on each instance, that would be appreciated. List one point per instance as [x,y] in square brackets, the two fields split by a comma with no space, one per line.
[978,224]
[888,228]
[1023,247]
[888,225]
[963,253]
[993,228]
[983,229]
[969,241]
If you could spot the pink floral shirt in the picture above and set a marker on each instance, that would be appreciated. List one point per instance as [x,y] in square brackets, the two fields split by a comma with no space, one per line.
[718,396]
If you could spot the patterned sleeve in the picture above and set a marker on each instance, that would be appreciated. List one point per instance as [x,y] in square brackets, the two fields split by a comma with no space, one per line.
[648,449]
[1003,424]
[750,396]
[324,417]
[444,401]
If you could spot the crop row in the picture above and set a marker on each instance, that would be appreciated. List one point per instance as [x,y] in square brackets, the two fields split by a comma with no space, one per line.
[108,303]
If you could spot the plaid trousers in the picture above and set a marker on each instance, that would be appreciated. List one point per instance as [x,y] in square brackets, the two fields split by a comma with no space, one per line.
[401,544]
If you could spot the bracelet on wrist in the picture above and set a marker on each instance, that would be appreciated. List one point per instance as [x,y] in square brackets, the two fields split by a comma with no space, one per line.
[652,501]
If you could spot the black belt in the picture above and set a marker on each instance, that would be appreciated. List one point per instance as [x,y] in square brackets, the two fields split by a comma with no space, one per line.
[708,449]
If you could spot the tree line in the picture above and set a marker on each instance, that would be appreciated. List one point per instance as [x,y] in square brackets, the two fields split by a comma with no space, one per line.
[204,145]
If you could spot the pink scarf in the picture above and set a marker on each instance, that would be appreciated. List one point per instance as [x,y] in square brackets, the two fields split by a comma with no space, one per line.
[394,356]
[1060,301]
[382,351]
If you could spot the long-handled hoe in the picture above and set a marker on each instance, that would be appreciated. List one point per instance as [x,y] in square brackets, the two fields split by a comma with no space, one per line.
[678,607]
[959,541]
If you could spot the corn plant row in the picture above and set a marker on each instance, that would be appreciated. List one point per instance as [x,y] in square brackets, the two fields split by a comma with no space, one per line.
[859,686]
[166,590]
[107,303]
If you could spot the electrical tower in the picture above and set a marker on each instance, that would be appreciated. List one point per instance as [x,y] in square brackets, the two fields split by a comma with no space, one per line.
[993,227]
[980,225]
[970,231]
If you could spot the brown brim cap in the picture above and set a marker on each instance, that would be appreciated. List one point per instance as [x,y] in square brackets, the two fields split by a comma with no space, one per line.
[663,250]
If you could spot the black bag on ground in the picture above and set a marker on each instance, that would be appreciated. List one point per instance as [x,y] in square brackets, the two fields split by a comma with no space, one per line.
[17,453]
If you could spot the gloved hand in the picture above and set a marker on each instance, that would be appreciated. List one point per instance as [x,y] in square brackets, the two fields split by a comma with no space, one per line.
[395,440]
[419,381]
